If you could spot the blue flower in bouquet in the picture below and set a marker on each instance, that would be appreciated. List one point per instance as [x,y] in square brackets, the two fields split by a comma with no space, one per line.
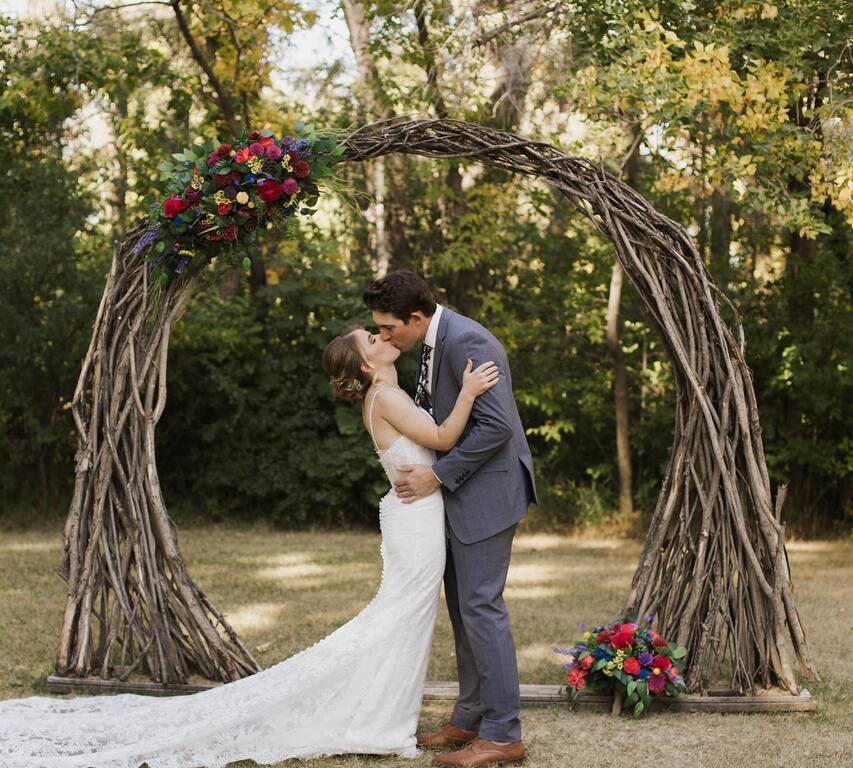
[643,674]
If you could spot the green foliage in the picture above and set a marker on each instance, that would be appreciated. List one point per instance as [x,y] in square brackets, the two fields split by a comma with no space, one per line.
[252,430]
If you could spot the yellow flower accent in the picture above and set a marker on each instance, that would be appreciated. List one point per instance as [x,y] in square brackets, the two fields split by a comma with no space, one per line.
[571,659]
[250,204]
[255,163]
[655,671]
[285,163]
[185,252]
[242,198]
[587,635]
[196,182]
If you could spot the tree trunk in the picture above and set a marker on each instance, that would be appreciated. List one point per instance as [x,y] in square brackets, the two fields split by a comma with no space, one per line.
[620,392]
[722,210]
[373,107]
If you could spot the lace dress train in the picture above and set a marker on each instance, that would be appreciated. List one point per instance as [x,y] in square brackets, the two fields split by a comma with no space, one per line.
[358,690]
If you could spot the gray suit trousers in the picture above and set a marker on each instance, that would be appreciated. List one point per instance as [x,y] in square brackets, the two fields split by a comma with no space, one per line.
[474,579]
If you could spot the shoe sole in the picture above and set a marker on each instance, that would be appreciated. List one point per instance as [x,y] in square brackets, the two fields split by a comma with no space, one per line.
[509,761]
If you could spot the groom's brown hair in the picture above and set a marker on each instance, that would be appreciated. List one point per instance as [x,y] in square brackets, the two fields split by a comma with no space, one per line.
[400,293]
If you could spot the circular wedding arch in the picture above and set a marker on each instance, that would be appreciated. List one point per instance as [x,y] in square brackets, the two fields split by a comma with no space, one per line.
[713,569]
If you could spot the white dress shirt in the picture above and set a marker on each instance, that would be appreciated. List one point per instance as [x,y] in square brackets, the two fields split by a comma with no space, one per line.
[431,337]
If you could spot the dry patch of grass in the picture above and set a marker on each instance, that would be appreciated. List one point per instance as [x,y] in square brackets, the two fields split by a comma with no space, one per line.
[284,591]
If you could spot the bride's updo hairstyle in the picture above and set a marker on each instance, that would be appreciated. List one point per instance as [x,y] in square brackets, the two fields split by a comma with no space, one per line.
[342,361]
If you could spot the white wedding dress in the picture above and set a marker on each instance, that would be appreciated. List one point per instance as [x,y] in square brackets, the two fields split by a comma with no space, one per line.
[358,690]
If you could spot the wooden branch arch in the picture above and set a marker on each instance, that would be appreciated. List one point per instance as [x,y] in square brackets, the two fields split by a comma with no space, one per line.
[714,568]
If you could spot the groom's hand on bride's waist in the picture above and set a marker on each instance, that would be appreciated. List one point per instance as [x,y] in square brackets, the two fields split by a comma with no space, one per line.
[416,482]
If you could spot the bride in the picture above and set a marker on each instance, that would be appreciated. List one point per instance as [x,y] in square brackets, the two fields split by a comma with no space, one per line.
[357,690]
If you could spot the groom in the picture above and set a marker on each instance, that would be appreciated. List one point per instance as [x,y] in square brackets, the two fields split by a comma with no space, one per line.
[487,484]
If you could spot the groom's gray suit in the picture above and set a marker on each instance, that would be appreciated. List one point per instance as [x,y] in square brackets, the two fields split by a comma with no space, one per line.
[487,483]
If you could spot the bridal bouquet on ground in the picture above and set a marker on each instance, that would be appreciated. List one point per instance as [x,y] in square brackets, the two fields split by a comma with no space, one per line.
[215,197]
[631,660]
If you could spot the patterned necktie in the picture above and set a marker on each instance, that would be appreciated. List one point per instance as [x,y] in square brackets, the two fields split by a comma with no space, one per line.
[422,399]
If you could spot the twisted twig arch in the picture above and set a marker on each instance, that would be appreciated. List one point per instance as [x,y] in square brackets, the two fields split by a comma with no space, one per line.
[714,567]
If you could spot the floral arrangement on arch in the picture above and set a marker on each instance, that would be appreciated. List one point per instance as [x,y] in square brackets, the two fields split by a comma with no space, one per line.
[218,197]
[629,659]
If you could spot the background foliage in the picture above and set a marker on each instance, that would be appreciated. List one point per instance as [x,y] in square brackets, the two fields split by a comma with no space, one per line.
[732,118]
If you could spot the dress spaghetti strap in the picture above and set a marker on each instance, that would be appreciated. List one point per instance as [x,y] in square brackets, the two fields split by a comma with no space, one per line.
[370,411]
[370,417]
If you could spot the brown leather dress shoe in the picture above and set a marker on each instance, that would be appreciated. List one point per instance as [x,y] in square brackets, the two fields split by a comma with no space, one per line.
[446,736]
[482,752]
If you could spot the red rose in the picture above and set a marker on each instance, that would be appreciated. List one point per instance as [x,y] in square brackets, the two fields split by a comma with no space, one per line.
[269,190]
[628,628]
[301,169]
[174,205]
[662,663]
[224,150]
[242,155]
[658,641]
[212,159]
[230,232]
[631,666]
[586,662]
[267,140]
[224,179]
[622,640]
[223,209]
[603,637]
[290,186]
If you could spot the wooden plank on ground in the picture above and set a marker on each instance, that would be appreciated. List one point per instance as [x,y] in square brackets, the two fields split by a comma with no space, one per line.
[531,696]
[538,695]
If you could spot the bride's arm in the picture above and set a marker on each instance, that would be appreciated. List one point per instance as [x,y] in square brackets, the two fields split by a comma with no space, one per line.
[411,421]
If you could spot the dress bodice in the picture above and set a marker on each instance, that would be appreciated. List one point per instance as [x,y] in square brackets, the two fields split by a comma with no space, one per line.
[403,450]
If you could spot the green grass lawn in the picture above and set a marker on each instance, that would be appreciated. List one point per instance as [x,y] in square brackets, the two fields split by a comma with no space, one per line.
[283,591]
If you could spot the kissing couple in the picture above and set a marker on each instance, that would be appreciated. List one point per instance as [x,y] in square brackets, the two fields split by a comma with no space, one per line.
[461,478]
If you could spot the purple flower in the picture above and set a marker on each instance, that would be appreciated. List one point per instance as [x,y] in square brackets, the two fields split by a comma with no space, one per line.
[645,658]
[649,616]
[182,265]
[146,240]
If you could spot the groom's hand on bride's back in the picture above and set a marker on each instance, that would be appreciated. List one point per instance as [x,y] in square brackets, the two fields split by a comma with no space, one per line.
[417,482]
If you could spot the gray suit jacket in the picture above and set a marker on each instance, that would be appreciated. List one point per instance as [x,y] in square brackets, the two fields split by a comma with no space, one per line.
[487,477]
